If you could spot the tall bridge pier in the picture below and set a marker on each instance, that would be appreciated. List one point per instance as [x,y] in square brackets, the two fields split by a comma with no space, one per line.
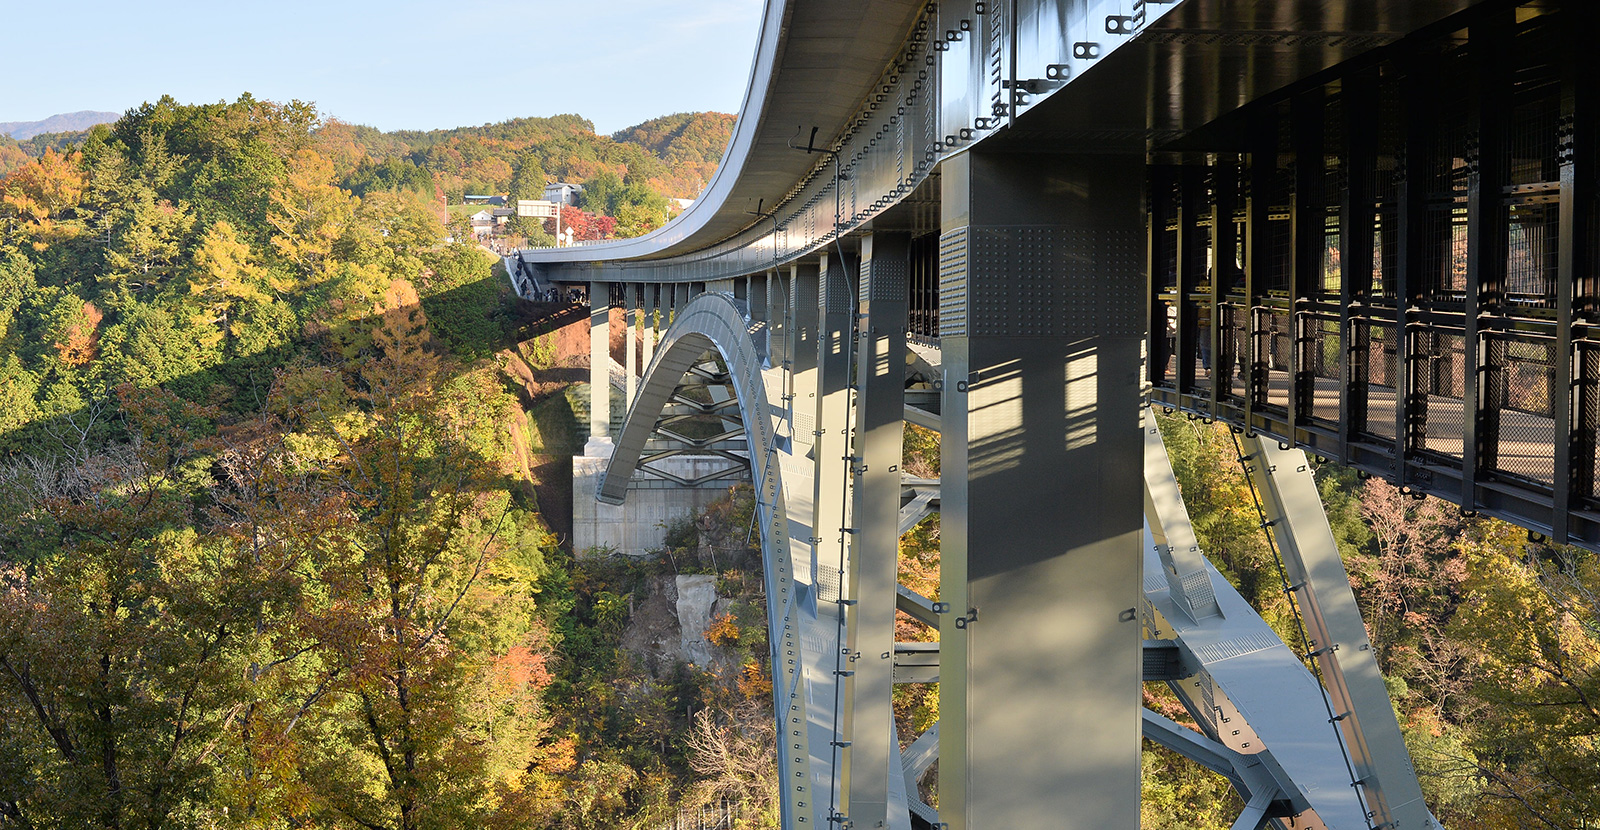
[1366,231]
[1040,412]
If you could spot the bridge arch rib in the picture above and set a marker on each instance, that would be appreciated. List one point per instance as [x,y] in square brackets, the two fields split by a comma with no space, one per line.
[711,322]
[719,322]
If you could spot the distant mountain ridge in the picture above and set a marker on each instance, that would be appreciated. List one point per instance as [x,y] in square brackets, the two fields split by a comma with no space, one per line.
[70,122]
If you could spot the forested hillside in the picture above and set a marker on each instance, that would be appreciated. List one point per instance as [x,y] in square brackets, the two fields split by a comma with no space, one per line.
[270,549]
[691,144]
[636,171]
[14,153]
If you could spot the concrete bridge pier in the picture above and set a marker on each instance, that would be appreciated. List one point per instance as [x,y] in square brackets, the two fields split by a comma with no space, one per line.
[648,346]
[1041,290]
[599,443]
[630,360]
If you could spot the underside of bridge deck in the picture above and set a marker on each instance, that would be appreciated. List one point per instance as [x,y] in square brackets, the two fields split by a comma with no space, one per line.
[1393,266]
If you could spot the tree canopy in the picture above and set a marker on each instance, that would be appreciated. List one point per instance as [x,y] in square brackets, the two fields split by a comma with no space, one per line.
[270,556]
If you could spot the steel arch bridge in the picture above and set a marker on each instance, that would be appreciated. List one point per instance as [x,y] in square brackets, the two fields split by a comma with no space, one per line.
[1365,230]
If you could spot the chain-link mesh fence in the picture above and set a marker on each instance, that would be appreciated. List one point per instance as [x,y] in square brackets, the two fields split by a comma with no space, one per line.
[1378,336]
[1586,419]
[1235,334]
[1321,357]
[1522,378]
[1440,359]
[1274,342]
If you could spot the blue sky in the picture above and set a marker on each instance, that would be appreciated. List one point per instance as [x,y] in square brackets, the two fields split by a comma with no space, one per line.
[402,64]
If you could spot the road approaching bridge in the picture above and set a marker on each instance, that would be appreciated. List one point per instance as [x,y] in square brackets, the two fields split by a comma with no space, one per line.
[1365,230]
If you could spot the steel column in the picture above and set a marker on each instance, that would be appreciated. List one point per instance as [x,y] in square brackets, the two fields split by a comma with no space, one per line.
[831,486]
[755,293]
[1191,271]
[648,347]
[1486,177]
[836,332]
[1411,240]
[1224,254]
[1041,328]
[1577,191]
[1308,230]
[802,348]
[875,800]
[1357,210]
[1192,267]
[1159,212]
[799,422]
[778,318]
[1263,162]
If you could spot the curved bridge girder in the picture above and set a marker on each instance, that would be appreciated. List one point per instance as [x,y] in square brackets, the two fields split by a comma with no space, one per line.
[718,322]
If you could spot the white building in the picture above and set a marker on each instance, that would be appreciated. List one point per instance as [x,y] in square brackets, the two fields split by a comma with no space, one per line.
[563,192]
[483,223]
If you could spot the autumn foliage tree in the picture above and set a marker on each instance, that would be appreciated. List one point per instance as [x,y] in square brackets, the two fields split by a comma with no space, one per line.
[584,225]
[76,331]
[91,734]
[309,215]
[1528,624]
[37,198]
[422,540]
[1412,571]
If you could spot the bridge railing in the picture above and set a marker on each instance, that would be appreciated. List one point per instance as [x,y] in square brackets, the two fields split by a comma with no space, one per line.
[723,815]
[1408,265]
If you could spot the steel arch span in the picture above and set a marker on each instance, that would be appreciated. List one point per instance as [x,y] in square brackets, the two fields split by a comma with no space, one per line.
[719,323]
